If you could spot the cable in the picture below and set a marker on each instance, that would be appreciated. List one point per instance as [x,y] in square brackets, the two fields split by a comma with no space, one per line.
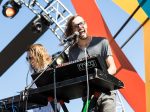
[86,67]
[27,77]
[129,18]
[25,98]
[20,99]
[146,20]
[26,94]
[55,97]
[5,107]
[125,23]
[26,105]
[1,106]
[12,106]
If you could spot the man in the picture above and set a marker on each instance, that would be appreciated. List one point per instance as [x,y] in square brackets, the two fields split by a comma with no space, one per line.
[93,46]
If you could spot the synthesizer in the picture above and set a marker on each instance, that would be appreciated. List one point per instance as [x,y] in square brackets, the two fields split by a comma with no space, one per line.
[70,70]
[71,83]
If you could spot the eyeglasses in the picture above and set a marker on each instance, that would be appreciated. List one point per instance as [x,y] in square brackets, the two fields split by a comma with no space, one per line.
[79,24]
[29,58]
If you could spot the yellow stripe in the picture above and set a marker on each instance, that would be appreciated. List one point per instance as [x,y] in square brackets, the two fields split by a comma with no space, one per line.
[129,6]
[147,63]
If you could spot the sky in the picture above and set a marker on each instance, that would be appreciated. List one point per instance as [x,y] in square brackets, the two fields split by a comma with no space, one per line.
[14,79]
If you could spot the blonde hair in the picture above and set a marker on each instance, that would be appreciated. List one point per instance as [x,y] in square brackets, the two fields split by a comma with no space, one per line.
[39,57]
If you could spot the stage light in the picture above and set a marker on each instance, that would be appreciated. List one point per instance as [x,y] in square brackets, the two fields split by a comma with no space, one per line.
[10,9]
[63,58]
[39,23]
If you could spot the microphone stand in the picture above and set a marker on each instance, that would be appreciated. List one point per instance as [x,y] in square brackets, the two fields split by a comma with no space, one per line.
[70,43]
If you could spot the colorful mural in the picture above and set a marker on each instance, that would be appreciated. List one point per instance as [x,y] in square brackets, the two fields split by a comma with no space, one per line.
[142,14]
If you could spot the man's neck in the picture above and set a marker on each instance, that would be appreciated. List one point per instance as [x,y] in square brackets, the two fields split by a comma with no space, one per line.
[83,43]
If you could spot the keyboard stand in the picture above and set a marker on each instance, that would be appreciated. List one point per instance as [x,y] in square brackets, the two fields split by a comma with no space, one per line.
[62,103]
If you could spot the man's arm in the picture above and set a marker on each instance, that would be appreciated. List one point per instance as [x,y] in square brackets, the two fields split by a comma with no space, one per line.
[111,65]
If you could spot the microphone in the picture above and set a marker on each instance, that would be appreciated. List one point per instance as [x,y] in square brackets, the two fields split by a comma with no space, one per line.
[70,38]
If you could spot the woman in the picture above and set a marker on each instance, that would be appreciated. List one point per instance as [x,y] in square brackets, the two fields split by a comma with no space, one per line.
[38,59]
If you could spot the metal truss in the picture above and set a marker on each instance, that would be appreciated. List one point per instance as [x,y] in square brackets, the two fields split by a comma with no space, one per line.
[52,10]
[119,103]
